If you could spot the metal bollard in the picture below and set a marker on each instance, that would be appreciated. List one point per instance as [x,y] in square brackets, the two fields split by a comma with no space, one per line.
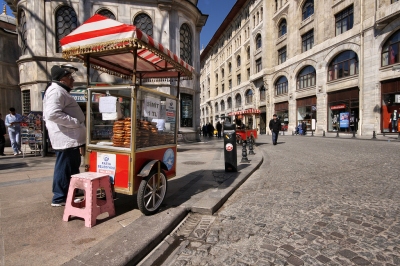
[312,133]
[373,135]
[337,133]
[244,153]
[323,133]
[251,151]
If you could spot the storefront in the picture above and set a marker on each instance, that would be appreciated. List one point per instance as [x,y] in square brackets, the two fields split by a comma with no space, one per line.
[306,111]
[390,115]
[343,110]
[282,111]
[263,120]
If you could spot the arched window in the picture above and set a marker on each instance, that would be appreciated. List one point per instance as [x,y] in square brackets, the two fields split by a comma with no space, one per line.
[144,23]
[281,86]
[66,22]
[262,93]
[107,13]
[238,100]
[222,105]
[186,43]
[216,107]
[248,53]
[229,103]
[23,33]
[390,50]
[249,96]
[238,61]
[258,41]
[229,67]
[343,65]
[306,77]
[222,73]
[282,28]
[216,77]
[308,9]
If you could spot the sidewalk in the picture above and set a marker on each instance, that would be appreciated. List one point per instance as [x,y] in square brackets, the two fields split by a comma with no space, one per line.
[33,233]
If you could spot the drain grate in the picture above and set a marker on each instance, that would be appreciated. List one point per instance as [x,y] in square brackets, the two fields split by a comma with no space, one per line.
[193,163]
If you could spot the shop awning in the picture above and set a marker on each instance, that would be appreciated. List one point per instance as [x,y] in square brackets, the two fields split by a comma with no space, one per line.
[250,111]
[110,45]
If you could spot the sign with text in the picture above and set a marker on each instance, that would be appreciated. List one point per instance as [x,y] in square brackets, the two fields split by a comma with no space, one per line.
[344,120]
[152,107]
[339,106]
[106,164]
[397,98]
[170,109]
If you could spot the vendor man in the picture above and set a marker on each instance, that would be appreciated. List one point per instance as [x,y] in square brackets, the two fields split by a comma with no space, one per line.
[65,122]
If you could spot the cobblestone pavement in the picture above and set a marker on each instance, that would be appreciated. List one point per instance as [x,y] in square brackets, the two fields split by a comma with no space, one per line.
[314,201]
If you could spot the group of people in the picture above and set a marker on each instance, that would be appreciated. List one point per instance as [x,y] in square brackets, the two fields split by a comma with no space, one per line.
[301,128]
[208,130]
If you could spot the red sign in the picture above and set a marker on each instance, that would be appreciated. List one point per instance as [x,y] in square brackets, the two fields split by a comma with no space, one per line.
[336,107]
[229,147]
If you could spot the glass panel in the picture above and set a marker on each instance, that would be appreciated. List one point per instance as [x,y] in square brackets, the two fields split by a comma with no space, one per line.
[66,21]
[338,28]
[144,23]
[385,59]
[186,44]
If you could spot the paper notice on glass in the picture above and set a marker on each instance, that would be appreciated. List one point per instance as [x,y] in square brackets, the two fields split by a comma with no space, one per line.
[113,115]
[108,104]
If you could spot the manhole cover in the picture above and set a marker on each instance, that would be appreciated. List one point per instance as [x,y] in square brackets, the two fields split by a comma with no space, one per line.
[193,163]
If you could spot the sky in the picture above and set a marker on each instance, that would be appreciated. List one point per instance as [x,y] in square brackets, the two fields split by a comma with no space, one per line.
[216,10]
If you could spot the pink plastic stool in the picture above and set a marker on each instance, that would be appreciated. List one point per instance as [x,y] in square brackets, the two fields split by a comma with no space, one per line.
[91,206]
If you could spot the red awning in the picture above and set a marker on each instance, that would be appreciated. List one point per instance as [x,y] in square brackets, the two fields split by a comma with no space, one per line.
[110,45]
[250,111]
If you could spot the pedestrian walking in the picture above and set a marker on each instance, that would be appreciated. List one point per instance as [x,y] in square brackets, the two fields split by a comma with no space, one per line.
[204,129]
[219,129]
[12,123]
[274,126]
[210,130]
[65,123]
[304,127]
[3,131]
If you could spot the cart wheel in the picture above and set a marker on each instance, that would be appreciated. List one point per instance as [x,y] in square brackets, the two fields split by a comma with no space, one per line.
[152,192]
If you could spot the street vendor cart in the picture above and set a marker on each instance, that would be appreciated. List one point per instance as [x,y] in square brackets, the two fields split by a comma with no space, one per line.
[131,129]
[245,127]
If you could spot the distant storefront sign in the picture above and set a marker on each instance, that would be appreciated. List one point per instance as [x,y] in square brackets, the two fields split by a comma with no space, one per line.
[339,106]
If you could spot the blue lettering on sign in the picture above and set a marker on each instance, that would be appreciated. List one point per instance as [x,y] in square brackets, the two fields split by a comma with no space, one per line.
[78,97]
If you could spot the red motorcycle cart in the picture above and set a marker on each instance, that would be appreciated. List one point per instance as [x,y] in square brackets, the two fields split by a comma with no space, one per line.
[131,129]
[246,128]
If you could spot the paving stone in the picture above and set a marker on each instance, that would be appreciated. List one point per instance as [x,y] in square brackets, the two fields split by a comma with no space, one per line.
[295,261]
[347,253]
[360,261]
[323,259]
[354,221]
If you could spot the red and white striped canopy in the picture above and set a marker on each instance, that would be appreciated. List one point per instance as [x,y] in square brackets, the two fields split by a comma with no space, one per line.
[110,46]
[250,111]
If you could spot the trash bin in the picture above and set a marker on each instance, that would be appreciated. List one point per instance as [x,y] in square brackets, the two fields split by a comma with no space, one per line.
[230,153]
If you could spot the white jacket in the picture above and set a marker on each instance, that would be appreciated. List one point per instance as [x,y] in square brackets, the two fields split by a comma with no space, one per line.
[64,118]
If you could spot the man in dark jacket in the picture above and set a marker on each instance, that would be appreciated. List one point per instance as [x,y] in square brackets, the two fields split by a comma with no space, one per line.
[219,129]
[274,126]
[2,139]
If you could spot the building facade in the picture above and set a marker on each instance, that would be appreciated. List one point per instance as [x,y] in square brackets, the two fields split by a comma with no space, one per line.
[41,24]
[332,64]
[10,94]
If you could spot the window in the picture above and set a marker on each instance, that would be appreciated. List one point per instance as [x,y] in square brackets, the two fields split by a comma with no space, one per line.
[282,55]
[307,41]
[282,28]
[216,77]
[238,61]
[258,42]
[344,20]
[390,50]
[229,103]
[248,53]
[23,33]
[281,86]
[239,80]
[262,93]
[186,44]
[258,65]
[107,13]
[144,23]
[223,88]
[216,107]
[248,73]
[222,105]
[66,21]
[230,67]
[306,77]
[343,65]
[394,1]
[216,91]
[222,73]
[308,9]
[249,97]
[230,84]
[26,101]
[238,101]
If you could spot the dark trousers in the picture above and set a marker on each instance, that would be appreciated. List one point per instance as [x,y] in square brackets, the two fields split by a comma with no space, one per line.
[67,164]
[219,133]
[275,137]
[2,144]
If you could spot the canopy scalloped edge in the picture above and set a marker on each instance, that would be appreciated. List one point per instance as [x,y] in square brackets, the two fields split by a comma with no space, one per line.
[79,51]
